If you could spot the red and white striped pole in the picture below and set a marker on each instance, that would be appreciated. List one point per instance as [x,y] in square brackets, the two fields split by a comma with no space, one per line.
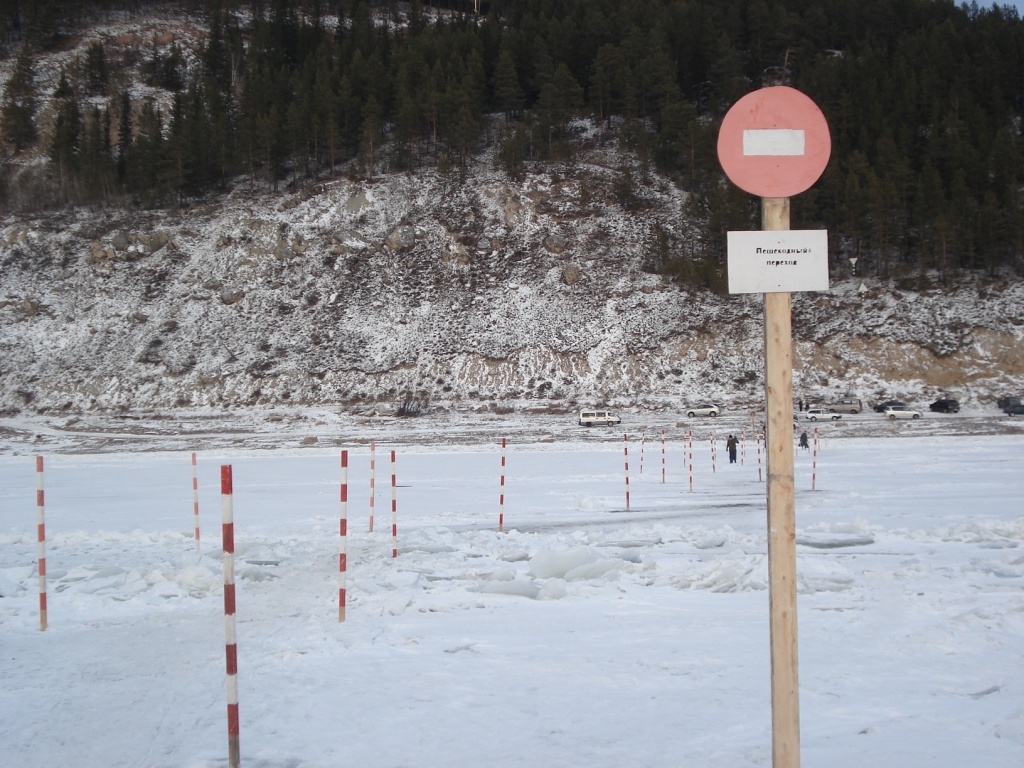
[743,447]
[691,459]
[501,497]
[643,439]
[41,537]
[759,456]
[394,510]
[230,641]
[713,456]
[625,454]
[663,456]
[814,461]
[343,541]
[373,472]
[195,500]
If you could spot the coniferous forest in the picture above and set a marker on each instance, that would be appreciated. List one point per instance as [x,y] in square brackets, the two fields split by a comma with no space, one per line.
[924,99]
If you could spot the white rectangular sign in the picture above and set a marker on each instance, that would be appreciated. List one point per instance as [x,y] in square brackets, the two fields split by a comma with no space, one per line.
[778,261]
[773,142]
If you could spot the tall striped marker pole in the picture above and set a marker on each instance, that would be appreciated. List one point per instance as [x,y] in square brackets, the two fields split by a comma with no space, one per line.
[230,641]
[41,537]
[814,462]
[714,449]
[195,500]
[759,478]
[501,497]
[663,456]
[691,459]
[343,533]
[643,439]
[373,471]
[625,454]
[394,510]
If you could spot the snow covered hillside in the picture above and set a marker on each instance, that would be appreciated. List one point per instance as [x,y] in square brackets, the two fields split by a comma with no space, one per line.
[363,294]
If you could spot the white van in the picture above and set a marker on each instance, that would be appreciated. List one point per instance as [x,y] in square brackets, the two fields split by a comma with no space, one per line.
[598,418]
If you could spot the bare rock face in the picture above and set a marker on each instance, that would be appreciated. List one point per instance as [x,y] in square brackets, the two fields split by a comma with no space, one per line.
[156,241]
[29,307]
[356,202]
[229,296]
[571,274]
[556,243]
[349,241]
[513,211]
[401,238]
[457,256]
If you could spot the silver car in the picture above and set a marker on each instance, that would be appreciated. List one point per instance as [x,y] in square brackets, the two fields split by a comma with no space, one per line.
[822,414]
[703,409]
[894,412]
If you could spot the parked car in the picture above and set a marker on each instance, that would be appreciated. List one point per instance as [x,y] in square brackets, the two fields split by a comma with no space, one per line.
[1014,409]
[703,409]
[945,405]
[846,405]
[1002,402]
[598,418]
[880,407]
[820,414]
[894,412]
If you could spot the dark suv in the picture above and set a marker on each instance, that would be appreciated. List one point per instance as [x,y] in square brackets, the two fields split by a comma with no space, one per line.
[945,405]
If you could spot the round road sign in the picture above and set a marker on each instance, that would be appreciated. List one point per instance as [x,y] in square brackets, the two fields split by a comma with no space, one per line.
[774,142]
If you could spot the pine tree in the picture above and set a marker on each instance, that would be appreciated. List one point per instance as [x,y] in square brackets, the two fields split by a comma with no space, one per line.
[370,134]
[269,130]
[216,66]
[95,69]
[407,127]
[124,135]
[508,95]
[65,144]
[97,167]
[145,155]
[174,166]
[559,100]
[606,86]
[20,103]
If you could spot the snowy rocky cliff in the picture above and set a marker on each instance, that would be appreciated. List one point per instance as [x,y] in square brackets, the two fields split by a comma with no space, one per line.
[427,289]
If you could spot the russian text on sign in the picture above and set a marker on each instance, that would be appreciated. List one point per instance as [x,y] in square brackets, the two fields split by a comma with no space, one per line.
[765,261]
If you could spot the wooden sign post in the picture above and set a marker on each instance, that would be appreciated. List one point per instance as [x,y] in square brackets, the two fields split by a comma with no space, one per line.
[778,356]
[775,143]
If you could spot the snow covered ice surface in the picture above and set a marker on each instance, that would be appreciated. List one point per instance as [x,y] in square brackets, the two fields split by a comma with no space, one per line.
[585,634]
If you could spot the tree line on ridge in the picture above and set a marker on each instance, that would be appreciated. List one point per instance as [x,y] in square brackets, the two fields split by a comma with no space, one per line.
[924,100]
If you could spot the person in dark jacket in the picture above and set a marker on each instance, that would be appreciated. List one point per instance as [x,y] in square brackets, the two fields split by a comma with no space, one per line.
[730,445]
[803,441]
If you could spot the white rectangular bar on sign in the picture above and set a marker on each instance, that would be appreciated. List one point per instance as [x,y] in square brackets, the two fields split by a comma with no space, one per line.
[773,141]
[778,261]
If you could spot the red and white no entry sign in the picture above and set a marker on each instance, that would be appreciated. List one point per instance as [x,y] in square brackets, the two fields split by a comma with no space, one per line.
[774,142]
